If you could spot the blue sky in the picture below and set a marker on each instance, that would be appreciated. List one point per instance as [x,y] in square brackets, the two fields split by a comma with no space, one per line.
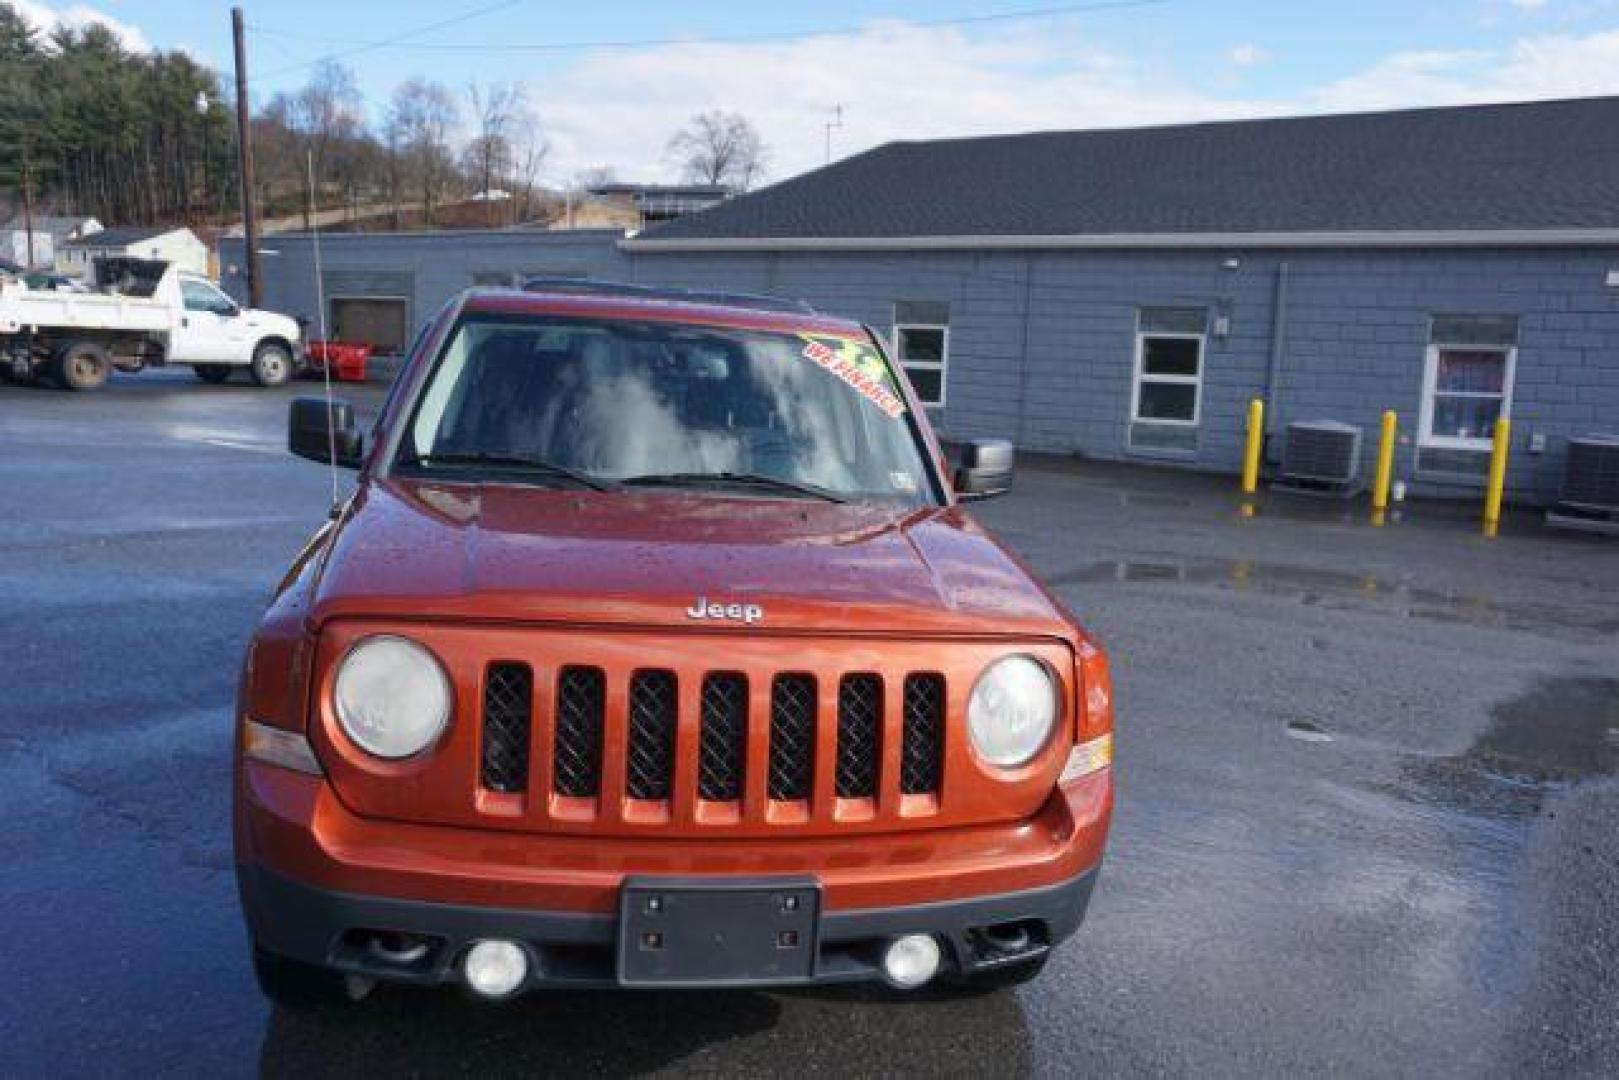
[895,70]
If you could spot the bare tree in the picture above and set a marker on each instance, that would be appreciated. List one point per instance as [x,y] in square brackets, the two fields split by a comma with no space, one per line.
[420,121]
[594,177]
[323,115]
[327,110]
[718,147]
[488,155]
[529,149]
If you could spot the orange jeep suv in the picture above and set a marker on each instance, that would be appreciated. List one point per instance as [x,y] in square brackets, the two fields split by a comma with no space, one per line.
[655,648]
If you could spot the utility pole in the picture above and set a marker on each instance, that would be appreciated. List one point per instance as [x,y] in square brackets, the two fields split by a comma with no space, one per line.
[835,122]
[250,222]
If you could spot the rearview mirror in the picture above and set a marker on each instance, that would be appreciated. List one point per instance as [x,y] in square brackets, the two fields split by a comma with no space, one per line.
[315,431]
[984,468]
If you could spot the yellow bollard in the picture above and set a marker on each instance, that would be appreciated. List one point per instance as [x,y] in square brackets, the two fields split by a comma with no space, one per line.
[1498,476]
[1385,467]
[1256,440]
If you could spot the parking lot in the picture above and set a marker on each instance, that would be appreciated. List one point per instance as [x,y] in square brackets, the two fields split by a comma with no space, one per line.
[1367,821]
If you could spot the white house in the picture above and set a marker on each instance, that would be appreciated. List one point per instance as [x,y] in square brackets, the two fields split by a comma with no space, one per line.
[49,233]
[179,247]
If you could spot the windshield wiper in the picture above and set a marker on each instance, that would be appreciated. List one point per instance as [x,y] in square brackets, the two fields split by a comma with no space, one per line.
[514,462]
[732,479]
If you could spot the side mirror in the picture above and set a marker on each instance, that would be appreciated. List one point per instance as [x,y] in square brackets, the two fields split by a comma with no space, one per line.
[310,436]
[984,469]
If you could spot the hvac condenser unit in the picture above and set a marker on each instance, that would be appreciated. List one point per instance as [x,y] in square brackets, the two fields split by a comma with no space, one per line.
[1321,456]
[1590,496]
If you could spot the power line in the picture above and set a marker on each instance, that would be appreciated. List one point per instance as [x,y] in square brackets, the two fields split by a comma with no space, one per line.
[723,39]
[389,42]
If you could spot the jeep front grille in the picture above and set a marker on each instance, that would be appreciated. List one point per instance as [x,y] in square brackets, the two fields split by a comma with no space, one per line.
[860,729]
[651,756]
[722,744]
[792,737]
[922,747]
[683,733]
[508,702]
[652,704]
[577,759]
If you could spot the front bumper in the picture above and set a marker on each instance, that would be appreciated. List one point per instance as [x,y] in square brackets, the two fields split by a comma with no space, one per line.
[319,882]
[336,930]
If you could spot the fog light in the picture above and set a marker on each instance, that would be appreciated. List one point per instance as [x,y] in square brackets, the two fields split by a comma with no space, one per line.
[495,968]
[910,961]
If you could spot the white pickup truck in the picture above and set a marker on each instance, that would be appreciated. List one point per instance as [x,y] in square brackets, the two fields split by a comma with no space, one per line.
[143,313]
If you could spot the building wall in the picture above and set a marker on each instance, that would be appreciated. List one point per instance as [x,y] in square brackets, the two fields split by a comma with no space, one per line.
[424,269]
[1042,344]
[14,246]
[181,248]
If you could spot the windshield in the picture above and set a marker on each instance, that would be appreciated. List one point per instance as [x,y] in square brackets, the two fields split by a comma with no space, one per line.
[659,405]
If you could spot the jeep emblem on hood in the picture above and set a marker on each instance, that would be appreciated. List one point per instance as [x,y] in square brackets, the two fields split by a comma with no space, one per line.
[746,613]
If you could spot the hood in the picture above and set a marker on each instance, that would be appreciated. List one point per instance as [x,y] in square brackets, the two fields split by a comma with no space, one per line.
[271,322]
[517,553]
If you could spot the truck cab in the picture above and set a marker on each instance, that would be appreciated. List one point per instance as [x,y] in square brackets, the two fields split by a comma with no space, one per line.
[658,647]
[214,334]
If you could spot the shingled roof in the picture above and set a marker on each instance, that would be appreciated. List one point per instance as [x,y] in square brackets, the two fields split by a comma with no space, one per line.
[120,237]
[1546,168]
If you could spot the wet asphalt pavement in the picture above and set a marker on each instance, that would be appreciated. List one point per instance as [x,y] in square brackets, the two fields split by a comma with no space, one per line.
[1367,821]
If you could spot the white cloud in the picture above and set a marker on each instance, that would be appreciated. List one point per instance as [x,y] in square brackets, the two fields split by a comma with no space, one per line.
[897,81]
[1247,55]
[1527,5]
[894,81]
[46,19]
[1549,66]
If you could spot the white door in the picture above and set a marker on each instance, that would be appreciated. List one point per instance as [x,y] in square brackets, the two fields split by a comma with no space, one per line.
[210,329]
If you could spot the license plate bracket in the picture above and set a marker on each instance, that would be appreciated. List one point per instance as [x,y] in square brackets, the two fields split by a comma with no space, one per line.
[679,932]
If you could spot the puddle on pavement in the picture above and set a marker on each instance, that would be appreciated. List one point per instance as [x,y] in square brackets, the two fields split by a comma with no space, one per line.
[1561,732]
[1315,586]
[1310,512]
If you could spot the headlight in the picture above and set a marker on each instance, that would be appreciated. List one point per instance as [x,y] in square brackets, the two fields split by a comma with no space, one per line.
[392,697]
[1012,711]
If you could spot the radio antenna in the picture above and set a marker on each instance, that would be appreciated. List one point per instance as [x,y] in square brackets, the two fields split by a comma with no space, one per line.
[320,314]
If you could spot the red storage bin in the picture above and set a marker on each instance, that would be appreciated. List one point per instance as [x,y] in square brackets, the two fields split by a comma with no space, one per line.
[347,359]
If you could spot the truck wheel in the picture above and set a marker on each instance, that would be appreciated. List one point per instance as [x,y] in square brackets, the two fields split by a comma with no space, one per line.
[212,373]
[294,985]
[83,365]
[272,364]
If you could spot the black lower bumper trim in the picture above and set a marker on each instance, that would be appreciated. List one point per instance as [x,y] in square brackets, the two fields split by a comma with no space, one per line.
[368,935]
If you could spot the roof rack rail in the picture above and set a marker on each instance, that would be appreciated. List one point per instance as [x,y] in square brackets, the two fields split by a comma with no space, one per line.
[578,286]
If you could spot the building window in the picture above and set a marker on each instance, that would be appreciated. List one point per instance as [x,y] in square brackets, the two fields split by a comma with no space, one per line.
[922,344]
[1169,366]
[1467,380]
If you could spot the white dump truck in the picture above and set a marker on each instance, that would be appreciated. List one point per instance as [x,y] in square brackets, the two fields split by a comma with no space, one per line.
[142,313]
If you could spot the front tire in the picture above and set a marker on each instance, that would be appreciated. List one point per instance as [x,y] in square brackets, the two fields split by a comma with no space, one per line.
[213,374]
[295,985]
[272,364]
[83,365]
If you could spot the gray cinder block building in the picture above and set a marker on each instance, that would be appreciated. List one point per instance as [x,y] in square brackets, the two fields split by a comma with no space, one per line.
[1123,294]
